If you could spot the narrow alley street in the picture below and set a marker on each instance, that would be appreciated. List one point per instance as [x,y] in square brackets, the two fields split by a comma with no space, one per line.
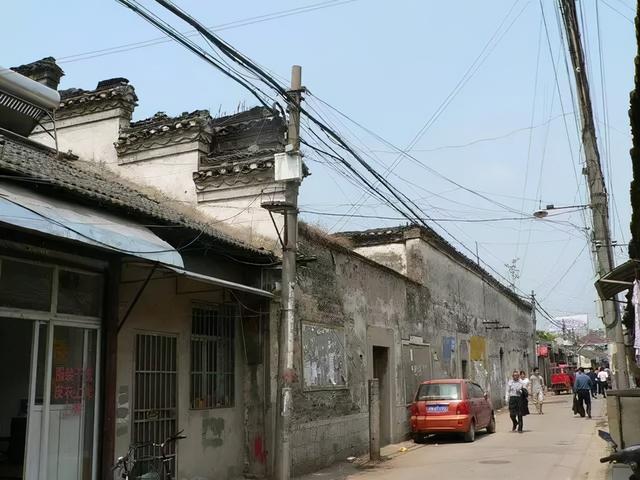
[555,446]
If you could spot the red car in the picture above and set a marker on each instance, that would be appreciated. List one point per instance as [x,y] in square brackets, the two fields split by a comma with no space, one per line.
[451,405]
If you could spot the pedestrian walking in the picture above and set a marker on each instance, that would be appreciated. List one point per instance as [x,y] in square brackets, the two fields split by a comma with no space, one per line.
[593,376]
[525,392]
[582,392]
[513,398]
[603,379]
[537,388]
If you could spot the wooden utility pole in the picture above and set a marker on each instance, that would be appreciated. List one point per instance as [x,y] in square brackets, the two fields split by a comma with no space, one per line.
[286,371]
[597,191]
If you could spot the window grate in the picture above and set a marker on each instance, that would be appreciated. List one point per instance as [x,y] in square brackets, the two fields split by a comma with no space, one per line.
[155,404]
[213,356]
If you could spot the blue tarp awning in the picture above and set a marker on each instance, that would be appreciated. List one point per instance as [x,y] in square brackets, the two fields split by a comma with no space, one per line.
[26,209]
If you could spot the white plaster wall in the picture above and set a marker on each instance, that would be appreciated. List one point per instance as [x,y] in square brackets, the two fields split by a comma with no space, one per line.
[91,136]
[392,255]
[161,310]
[239,204]
[247,215]
[169,171]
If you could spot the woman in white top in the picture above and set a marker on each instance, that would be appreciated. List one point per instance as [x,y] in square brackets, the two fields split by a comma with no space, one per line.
[603,378]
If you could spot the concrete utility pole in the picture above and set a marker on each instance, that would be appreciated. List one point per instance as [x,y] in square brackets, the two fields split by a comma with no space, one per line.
[597,191]
[286,372]
[534,321]
[374,420]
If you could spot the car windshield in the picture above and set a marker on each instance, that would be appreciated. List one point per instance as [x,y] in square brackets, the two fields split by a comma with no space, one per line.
[439,391]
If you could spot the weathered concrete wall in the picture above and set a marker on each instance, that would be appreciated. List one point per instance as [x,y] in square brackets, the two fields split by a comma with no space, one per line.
[444,304]
[215,443]
[450,311]
[368,302]
[460,301]
[320,443]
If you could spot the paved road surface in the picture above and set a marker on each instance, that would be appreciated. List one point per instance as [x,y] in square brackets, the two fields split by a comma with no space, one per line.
[554,446]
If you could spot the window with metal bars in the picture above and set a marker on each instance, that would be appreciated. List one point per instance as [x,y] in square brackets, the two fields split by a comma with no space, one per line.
[212,356]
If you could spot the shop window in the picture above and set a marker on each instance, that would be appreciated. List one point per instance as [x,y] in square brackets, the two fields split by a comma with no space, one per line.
[213,356]
[25,285]
[79,293]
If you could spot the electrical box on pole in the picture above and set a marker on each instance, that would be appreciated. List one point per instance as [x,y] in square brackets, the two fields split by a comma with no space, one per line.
[288,166]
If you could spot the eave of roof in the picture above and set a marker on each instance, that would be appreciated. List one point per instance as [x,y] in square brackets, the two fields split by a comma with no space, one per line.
[85,180]
[387,235]
[112,93]
[617,280]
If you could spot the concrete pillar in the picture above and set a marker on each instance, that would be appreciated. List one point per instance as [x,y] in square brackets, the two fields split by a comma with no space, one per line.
[374,419]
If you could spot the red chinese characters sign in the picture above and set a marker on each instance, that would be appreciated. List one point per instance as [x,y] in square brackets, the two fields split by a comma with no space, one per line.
[543,351]
[70,385]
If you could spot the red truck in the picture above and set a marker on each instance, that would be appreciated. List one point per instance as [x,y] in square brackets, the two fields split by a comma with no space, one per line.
[562,377]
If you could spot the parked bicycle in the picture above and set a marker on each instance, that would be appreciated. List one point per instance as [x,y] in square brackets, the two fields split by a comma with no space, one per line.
[160,465]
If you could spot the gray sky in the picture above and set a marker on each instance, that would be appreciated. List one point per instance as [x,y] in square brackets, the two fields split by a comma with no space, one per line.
[390,66]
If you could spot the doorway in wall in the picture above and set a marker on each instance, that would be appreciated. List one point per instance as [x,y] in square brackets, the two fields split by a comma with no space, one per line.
[15,361]
[381,372]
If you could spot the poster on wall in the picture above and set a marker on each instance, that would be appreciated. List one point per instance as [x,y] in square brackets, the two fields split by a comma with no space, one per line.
[323,357]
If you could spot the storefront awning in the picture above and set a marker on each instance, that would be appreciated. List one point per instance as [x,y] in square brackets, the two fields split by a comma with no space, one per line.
[26,209]
[617,280]
[198,277]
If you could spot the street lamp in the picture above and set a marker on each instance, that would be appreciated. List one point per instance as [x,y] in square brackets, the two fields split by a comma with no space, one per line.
[544,212]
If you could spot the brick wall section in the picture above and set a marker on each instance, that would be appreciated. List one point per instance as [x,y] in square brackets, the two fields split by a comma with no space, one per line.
[321,443]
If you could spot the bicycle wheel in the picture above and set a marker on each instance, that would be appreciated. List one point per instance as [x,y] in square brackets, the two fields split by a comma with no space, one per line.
[149,476]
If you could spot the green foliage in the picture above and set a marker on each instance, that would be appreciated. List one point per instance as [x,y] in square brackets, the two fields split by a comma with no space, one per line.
[545,336]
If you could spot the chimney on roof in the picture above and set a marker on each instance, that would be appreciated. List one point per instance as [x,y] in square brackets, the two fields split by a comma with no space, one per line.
[45,71]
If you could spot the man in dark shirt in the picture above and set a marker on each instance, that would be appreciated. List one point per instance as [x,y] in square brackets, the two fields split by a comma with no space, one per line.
[582,390]
[593,376]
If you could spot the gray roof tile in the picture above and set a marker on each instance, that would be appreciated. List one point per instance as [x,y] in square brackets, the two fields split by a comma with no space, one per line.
[87,181]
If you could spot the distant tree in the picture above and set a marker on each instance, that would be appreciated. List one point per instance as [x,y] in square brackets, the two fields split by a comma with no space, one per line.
[513,272]
[545,336]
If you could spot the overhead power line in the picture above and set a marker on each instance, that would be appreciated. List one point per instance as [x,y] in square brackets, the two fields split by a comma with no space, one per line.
[379,217]
[127,47]
[484,54]
[404,205]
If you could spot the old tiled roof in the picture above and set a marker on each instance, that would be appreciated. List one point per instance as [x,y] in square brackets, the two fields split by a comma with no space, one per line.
[162,129]
[236,164]
[386,235]
[593,338]
[111,93]
[87,181]
[242,148]
[250,130]
[47,63]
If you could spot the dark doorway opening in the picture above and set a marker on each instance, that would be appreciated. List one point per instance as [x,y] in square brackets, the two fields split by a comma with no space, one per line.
[381,372]
[465,371]
[15,358]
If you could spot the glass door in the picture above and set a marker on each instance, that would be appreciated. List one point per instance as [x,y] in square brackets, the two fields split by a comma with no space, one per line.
[63,420]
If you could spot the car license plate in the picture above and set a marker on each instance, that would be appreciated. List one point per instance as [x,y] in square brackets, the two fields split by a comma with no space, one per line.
[437,408]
